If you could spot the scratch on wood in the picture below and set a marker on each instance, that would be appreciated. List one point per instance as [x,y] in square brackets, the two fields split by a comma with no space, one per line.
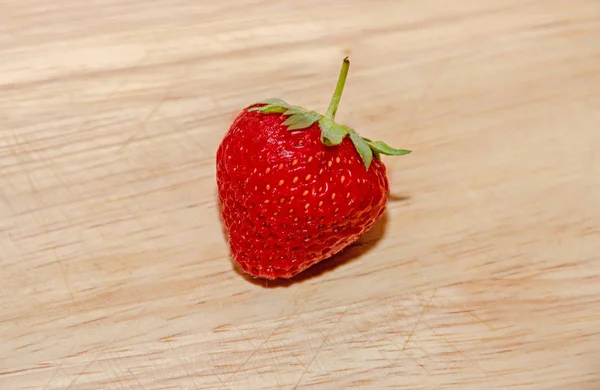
[154,110]
[136,379]
[484,323]
[189,374]
[334,326]
[294,313]
[87,366]
[64,274]
[456,350]
[60,366]
[263,343]
[215,367]
[366,334]
[141,125]
[428,87]
[419,321]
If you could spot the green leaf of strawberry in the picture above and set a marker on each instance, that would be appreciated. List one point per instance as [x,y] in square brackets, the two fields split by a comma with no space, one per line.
[300,119]
[384,148]
[332,134]
[363,148]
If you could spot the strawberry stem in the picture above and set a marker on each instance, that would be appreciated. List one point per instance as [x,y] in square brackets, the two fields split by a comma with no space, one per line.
[337,94]
[332,134]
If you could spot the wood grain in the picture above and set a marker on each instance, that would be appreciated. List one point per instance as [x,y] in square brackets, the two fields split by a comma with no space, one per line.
[485,272]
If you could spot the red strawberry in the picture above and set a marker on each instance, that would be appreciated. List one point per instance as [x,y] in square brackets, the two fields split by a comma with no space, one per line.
[295,187]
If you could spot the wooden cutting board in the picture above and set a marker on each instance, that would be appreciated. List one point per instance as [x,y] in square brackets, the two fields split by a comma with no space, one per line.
[483,274]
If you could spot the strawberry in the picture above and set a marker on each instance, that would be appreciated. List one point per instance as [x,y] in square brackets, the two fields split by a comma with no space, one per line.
[296,187]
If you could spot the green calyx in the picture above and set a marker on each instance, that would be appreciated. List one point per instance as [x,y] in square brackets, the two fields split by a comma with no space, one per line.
[332,133]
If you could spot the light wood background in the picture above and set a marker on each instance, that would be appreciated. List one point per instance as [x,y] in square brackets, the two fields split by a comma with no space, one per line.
[484,274]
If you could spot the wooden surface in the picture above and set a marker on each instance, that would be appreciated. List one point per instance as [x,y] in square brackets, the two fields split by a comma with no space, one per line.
[484,274]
